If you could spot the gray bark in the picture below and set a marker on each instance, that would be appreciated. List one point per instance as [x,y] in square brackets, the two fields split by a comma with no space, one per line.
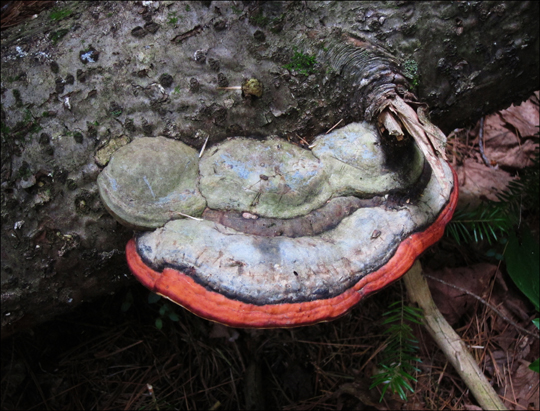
[86,77]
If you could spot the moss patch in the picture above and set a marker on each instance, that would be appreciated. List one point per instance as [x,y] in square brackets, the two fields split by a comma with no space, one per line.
[302,63]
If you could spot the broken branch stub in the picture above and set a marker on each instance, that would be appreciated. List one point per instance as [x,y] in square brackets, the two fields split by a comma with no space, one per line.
[429,138]
[288,234]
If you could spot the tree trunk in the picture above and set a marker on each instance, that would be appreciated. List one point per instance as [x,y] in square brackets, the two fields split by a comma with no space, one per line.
[84,78]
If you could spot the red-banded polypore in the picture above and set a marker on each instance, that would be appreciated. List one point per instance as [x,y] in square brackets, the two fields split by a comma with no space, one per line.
[268,234]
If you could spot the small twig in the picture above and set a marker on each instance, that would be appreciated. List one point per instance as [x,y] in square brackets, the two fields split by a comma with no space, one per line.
[481,144]
[303,140]
[151,390]
[505,318]
[188,216]
[334,126]
[454,136]
[230,88]
[391,124]
[203,147]
[98,355]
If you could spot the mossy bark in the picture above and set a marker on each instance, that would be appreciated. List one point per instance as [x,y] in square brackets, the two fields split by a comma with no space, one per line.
[82,79]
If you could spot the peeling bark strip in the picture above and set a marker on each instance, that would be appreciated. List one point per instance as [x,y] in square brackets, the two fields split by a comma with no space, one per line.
[378,81]
[429,138]
[372,72]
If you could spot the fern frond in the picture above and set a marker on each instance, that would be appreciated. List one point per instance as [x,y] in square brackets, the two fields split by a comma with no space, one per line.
[397,359]
[493,219]
[487,222]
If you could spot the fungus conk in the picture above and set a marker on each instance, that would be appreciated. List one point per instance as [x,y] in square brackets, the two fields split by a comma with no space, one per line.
[268,234]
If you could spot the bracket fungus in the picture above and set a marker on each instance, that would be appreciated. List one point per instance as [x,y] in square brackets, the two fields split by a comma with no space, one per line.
[279,236]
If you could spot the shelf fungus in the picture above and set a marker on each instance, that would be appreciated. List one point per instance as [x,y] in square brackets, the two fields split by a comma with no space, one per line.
[268,234]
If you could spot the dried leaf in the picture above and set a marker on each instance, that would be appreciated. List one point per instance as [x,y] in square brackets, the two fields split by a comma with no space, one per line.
[477,181]
[525,387]
[454,303]
[523,118]
[503,147]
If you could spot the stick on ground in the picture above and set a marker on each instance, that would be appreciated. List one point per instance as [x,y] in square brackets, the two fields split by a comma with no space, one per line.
[450,343]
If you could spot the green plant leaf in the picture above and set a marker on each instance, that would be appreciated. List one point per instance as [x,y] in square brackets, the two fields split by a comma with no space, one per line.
[523,264]
[174,317]
[535,366]
[125,306]
[159,323]
[401,345]
[128,301]
[163,309]
[153,298]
